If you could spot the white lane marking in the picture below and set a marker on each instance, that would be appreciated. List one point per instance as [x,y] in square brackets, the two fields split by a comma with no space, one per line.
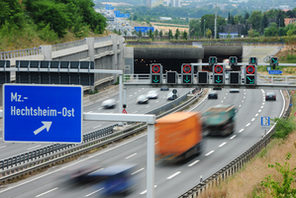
[46,192]
[253,119]
[130,95]
[256,114]
[222,101]
[244,97]
[226,94]
[261,107]
[72,164]
[239,106]
[222,144]
[193,163]
[263,103]
[232,137]
[259,110]
[157,101]
[245,93]
[224,97]
[209,153]
[2,146]
[248,124]
[243,101]
[174,175]
[142,193]
[241,130]
[34,147]
[137,171]
[90,112]
[96,127]
[93,192]
[130,156]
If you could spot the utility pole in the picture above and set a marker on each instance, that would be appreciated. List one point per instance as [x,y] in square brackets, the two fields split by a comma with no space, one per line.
[216,12]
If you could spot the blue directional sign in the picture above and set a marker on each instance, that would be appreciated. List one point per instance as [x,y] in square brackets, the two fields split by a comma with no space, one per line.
[265,121]
[40,113]
[275,72]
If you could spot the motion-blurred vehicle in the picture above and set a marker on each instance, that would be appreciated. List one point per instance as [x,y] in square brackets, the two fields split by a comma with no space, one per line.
[142,99]
[233,90]
[117,179]
[172,96]
[152,94]
[178,136]
[213,95]
[270,96]
[81,176]
[164,89]
[219,120]
[109,104]
[217,88]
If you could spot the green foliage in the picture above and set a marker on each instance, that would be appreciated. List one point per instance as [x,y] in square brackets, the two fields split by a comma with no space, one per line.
[283,127]
[170,34]
[283,188]
[272,30]
[253,33]
[47,34]
[185,35]
[177,34]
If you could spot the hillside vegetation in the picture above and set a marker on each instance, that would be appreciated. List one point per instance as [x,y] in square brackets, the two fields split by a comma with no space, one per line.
[28,23]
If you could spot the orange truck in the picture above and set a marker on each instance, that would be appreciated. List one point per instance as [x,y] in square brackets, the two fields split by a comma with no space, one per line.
[178,136]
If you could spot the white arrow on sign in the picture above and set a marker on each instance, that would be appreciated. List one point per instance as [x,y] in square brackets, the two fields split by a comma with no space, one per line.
[46,125]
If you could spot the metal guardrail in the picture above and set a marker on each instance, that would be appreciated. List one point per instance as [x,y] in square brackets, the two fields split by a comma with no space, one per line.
[16,166]
[62,46]
[234,166]
[20,53]
[102,39]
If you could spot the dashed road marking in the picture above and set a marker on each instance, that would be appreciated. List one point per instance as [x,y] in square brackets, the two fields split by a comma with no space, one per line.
[239,106]
[193,163]
[241,130]
[261,107]
[256,114]
[209,153]
[90,194]
[259,110]
[144,192]
[248,124]
[253,119]
[130,156]
[222,101]
[137,171]
[232,137]
[46,192]
[174,175]
[222,144]
[243,101]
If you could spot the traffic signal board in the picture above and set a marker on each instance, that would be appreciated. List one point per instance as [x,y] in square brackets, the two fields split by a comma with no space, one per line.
[203,77]
[156,68]
[155,79]
[171,77]
[218,79]
[250,69]
[186,69]
[250,80]
[212,60]
[187,79]
[274,62]
[253,60]
[250,75]
[233,61]
[234,77]
[218,69]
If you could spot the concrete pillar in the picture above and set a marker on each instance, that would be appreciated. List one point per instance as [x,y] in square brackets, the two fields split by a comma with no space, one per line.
[46,51]
[90,41]
[114,58]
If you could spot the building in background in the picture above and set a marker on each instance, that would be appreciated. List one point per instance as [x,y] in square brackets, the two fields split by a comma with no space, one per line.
[173,3]
[149,3]
[289,21]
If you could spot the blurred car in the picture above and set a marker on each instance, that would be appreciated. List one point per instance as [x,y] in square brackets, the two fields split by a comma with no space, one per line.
[213,95]
[81,176]
[172,96]
[152,94]
[217,88]
[233,90]
[142,99]
[270,96]
[164,89]
[109,104]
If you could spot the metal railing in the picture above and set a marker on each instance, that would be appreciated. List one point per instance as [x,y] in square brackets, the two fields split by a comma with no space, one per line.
[20,53]
[232,167]
[102,39]
[62,46]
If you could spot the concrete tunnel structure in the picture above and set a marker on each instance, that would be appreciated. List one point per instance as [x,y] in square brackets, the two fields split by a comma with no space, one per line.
[173,58]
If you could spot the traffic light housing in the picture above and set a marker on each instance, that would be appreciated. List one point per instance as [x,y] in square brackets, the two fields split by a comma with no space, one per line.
[232,61]
[234,78]
[187,73]
[203,77]
[171,77]
[274,62]
[218,77]
[212,60]
[251,75]
[155,73]
[253,60]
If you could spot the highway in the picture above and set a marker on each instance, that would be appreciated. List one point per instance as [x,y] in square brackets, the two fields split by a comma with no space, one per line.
[10,149]
[170,180]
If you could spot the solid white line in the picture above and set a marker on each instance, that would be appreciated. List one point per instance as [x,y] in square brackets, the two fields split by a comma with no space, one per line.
[2,146]
[241,130]
[209,153]
[222,101]
[97,126]
[232,137]
[46,192]
[259,110]
[253,119]
[90,112]
[256,114]
[137,171]
[174,175]
[239,106]
[93,192]
[34,147]
[73,164]
[193,163]
[130,156]
[248,124]
[261,107]
[222,144]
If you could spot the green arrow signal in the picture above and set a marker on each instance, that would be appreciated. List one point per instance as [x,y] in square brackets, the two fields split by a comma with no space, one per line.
[251,81]
[218,80]
[274,60]
[186,80]
[155,80]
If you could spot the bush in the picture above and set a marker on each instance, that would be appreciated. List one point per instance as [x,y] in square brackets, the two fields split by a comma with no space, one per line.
[48,34]
[283,127]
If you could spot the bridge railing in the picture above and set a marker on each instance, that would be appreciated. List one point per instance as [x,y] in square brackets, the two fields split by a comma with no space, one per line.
[20,53]
[71,44]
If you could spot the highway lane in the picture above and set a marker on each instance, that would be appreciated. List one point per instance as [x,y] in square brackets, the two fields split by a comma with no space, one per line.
[172,179]
[10,149]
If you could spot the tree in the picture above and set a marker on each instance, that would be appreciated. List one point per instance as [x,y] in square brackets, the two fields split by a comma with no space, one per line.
[195,30]
[160,34]
[156,33]
[264,23]
[253,33]
[291,29]
[177,34]
[272,30]
[170,34]
[255,20]
[151,35]
[209,33]
[185,35]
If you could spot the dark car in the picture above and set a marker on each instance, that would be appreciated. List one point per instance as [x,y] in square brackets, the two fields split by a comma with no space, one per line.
[270,96]
[164,89]
[213,95]
[233,90]
[217,88]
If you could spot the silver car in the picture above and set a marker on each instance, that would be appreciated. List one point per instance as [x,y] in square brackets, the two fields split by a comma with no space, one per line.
[152,94]
[142,99]
[109,104]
